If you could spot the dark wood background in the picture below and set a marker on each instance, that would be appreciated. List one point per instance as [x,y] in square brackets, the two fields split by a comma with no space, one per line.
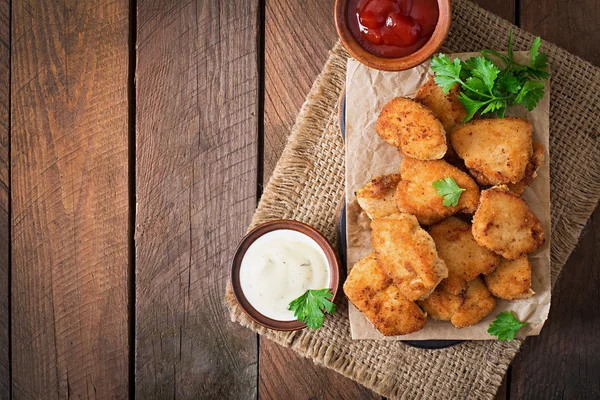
[135,139]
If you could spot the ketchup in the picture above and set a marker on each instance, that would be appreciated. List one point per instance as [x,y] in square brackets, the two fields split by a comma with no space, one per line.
[392,28]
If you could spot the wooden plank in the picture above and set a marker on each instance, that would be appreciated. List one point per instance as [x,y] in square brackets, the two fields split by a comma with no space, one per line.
[562,361]
[196,172]
[574,26]
[69,180]
[4,199]
[298,36]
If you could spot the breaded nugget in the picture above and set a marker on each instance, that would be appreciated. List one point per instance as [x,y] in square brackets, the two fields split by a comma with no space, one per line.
[535,162]
[412,128]
[478,303]
[407,254]
[374,294]
[511,280]
[505,224]
[446,106]
[495,151]
[377,196]
[441,305]
[464,258]
[416,195]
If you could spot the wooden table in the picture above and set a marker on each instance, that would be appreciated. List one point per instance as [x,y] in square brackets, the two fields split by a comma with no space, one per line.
[135,139]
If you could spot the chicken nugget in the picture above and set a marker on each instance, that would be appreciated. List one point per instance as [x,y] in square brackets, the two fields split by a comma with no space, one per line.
[511,280]
[377,196]
[464,258]
[441,305]
[495,151]
[446,106]
[505,224]
[375,295]
[412,128]
[416,195]
[477,305]
[407,254]
[535,162]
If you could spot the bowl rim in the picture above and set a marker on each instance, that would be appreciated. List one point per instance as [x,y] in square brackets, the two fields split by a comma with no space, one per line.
[393,64]
[260,230]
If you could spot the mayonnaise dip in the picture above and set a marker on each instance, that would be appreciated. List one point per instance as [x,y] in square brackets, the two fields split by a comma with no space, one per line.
[279,267]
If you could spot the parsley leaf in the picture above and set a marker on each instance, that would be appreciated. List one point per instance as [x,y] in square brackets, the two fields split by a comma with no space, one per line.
[448,188]
[485,88]
[310,308]
[505,326]
[531,93]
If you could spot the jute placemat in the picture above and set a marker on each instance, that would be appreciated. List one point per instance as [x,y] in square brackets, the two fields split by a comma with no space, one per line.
[308,184]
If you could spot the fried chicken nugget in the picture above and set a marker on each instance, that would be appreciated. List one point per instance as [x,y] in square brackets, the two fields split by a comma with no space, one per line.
[464,258]
[412,128]
[505,224]
[495,151]
[535,162]
[462,310]
[441,305]
[374,294]
[446,106]
[511,280]
[477,305]
[416,195]
[407,254]
[377,196]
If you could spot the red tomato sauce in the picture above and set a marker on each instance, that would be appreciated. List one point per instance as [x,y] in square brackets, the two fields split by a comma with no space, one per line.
[392,28]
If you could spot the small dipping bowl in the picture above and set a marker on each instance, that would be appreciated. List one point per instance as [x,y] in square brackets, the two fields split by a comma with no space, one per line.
[333,266]
[392,64]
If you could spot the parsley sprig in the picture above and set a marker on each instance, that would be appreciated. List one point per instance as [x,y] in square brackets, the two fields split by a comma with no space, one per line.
[487,88]
[505,326]
[310,308]
[449,189]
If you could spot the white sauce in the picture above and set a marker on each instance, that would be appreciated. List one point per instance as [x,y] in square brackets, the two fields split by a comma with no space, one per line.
[279,267]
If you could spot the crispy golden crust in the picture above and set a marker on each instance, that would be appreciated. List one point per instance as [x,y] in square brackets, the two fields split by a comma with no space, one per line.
[377,196]
[478,303]
[504,224]
[496,151]
[441,305]
[407,254]
[446,106]
[511,280]
[464,258]
[416,195]
[374,294]
[412,128]
[535,162]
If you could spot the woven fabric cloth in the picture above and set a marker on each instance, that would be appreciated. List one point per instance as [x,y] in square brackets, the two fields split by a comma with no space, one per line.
[308,185]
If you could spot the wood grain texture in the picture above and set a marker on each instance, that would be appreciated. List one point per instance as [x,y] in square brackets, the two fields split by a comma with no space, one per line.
[69,199]
[563,361]
[298,36]
[574,25]
[196,162]
[4,199]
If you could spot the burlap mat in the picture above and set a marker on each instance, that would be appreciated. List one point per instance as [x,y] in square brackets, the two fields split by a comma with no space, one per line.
[308,184]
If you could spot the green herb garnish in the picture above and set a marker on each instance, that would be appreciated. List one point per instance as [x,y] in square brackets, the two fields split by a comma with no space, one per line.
[449,189]
[505,326]
[310,308]
[487,88]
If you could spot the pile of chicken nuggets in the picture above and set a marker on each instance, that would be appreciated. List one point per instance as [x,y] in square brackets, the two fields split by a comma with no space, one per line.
[448,262]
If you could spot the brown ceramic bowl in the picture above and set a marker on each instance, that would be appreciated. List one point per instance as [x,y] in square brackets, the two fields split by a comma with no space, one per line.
[332,260]
[392,64]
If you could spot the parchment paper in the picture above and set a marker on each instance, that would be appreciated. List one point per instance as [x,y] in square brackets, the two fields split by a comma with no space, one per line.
[367,91]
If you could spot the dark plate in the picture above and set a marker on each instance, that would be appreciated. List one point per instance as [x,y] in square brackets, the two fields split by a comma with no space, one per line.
[422,344]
